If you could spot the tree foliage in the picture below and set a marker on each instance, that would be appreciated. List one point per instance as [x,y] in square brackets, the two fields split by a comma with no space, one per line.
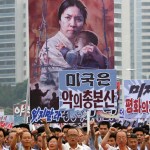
[10,95]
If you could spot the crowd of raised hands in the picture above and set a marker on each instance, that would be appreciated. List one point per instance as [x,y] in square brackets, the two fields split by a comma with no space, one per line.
[101,136]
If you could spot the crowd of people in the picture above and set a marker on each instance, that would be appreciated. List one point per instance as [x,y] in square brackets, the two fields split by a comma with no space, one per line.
[102,136]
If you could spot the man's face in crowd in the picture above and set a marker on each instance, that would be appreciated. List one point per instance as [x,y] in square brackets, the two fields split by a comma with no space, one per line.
[72,136]
[65,132]
[121,138]
[112,141]
[11,136]
[103,130]
[133,143]
[140,136]
[26,139]
[39,141]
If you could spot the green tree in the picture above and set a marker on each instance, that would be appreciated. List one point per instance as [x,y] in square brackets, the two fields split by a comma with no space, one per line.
[10,95]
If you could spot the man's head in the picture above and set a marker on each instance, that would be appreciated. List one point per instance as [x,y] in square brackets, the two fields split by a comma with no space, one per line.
[54,94]
[72,136]
[57,131]
[26,139]
[11,136]
[64,130]
[139,133]
[39,140]
[103,127]
[132,141]
[81,136]
[112,140]
[36,86]
[121,138]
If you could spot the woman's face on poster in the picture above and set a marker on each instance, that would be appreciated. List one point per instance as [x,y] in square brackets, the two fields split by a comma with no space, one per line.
[71,22]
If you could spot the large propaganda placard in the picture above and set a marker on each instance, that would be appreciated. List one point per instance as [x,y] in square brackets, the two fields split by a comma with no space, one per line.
[88,89]
[66,35]
[137,98]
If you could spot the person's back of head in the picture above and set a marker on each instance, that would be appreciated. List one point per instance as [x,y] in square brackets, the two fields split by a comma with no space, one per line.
[36,85]
[116,125]
[40,129]
[57,129]
[54,94]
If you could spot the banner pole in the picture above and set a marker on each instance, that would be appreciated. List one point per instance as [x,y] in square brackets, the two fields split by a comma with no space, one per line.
[27,102]
[88,121]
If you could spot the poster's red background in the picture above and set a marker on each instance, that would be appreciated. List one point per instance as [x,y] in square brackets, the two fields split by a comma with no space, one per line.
[94,23]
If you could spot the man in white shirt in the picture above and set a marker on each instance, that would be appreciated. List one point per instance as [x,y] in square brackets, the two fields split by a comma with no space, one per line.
[72,136]
[132,141]
[140,136]
[121,140]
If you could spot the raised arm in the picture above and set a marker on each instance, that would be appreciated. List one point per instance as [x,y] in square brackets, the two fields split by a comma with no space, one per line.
[97,133]
[46,127]
[145,143]
[44,141]
[60,147]
[106,137]
[16,138]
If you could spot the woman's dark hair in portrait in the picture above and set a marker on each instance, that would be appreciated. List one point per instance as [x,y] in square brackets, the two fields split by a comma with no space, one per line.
[69,3]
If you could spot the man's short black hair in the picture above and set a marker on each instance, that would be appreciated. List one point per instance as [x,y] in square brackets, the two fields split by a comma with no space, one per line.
[104,123]
[116,125]
[136,129]
[57,129]
[84,129]
[122,127]
[66,126]
[132,135]
[113,135]
[72,128]
[24,125]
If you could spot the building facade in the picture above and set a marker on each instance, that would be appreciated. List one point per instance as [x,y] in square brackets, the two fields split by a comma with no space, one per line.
[132,39]
[13,41]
